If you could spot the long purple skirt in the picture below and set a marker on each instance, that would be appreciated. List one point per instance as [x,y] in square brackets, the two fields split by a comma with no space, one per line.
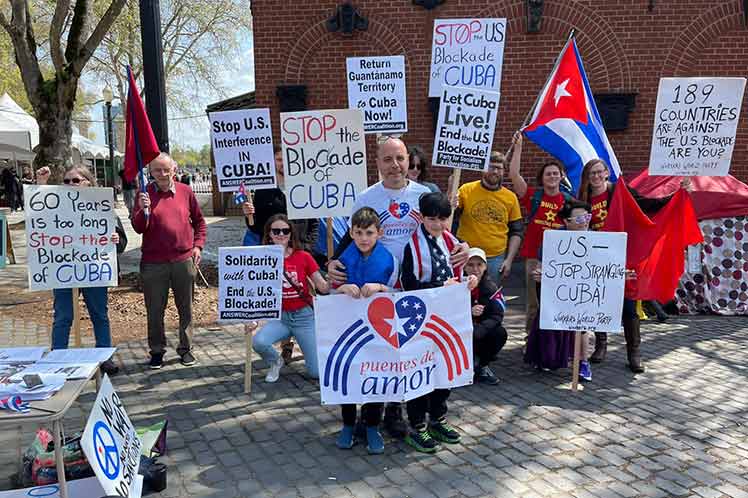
[550,349]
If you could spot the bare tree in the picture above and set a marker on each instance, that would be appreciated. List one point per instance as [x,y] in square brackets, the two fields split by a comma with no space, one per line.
[73,39]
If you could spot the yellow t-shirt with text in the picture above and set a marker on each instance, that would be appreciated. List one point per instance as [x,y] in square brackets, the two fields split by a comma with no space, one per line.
[486,215]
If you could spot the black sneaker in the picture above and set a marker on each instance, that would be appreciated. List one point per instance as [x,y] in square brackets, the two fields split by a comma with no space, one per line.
[485,375]
[421,440]
[444,432]
[108,367]
[157,361]
[188,359]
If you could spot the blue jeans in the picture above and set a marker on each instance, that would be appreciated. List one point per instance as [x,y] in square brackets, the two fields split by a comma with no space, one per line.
[299,324]
[96,299]
[493,266]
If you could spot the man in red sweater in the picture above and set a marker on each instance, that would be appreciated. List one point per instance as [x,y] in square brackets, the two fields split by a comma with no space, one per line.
[174,232]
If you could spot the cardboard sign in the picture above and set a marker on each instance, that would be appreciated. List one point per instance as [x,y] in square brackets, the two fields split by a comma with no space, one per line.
[465,128]
[68,232]
[324,158]
[111,444]
[376,86]
[249,283]
[467,53]
[243,149]
[79,488]
[393,347]
[695,124]
[3,241]
[584,274]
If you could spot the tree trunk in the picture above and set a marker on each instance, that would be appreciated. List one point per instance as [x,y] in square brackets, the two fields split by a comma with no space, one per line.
[54,113]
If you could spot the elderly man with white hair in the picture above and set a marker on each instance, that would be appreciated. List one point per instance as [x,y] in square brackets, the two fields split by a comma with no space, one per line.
[174,231]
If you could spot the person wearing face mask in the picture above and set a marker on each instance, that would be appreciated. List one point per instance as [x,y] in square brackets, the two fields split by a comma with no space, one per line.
[418,169]
[596,189]
[552,349]
[542,205]
[96,298]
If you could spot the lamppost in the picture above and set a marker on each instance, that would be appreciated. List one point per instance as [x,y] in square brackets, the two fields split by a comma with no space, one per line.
[107,94]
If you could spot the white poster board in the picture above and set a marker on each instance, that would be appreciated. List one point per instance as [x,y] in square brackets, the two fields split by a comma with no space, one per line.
[79,488]
[111,444]
[250,283]
[324,158]
[68,232]
[242,149]
[376,86]
[465,128]
[393,346]
[467,53]
[695,124]
[583,280]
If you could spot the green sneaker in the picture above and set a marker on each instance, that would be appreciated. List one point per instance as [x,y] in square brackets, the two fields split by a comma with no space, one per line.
[444,432]
[421,440]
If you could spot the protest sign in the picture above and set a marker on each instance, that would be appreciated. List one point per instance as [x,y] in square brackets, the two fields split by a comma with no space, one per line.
[79,355]
[465,128]
[249,282]
[393,347]
[324,158]
[22,354]
[68,232]
[376,86]
[243,149]
[467,53]
[3,242]
[582,281]
[111,443]
[79,488]
[694,126]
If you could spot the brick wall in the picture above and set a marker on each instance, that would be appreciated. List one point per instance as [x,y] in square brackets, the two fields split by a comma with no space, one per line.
[625,48]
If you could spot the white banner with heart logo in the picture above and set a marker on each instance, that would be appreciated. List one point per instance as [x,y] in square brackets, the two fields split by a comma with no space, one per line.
[393,346]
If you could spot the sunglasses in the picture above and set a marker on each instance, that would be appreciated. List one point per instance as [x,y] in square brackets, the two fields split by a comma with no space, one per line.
[581,219]
[414,166]
[381,139]
[74,181]
[280,231]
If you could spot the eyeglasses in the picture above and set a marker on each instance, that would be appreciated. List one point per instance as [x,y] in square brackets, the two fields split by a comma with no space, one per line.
[74,181]
[381,139]
[581,219]
[598,173]
[279,231]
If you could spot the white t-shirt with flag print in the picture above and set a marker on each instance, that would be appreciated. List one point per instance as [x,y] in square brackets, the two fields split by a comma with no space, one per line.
[398,212]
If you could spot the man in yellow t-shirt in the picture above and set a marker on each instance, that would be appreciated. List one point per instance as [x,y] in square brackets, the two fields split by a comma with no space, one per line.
[490,218]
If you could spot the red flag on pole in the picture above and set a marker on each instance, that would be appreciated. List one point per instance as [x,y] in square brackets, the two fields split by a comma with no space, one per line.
[141,147]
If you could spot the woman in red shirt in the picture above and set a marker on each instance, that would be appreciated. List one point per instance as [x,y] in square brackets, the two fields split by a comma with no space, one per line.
[297,317]
[542,206]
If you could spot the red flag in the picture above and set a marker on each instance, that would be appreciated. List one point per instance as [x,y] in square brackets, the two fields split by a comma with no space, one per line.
[141,147]
[625,215]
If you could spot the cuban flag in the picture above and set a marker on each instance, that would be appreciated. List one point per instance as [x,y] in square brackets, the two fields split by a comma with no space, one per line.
[565,122]
[240,197]
[498,298]
[14,404]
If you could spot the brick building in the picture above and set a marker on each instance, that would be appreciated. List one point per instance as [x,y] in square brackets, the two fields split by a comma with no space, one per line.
[626,45]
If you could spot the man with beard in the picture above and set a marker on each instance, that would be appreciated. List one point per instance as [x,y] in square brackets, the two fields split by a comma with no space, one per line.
[489,217]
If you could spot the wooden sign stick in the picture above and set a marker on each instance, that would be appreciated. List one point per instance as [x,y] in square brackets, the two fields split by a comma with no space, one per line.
[330,244]
[453,192]
[251,217]
[76,319]
[577,354]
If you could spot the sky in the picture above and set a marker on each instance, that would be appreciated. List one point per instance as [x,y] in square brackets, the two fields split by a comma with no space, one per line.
[194,132]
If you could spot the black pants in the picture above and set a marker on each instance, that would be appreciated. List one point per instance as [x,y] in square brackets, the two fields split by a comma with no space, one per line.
[433,403]
[487,342]
[371,414]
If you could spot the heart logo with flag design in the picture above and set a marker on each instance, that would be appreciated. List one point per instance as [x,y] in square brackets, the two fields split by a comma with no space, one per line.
[397,322]
[399,210]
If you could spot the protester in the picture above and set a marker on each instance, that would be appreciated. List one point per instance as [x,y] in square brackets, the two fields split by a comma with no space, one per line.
[395,199]
[12,189]
[297,318]
[418,169]
[28,176]
[489,217]
[487,309]
[128,192]
[370,269]
[96,298]
[542,205]
[596,189]
[551,349]
[174,232]
[426,266]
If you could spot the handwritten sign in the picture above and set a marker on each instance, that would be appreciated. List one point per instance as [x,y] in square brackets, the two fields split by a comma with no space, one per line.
[68,232]
[695,124]
[249,283]
[467,53]
[111,443]
[243,149]
[465,128]
[324,158]
[583,279]
[393,347]
[376,86]
[3,241]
